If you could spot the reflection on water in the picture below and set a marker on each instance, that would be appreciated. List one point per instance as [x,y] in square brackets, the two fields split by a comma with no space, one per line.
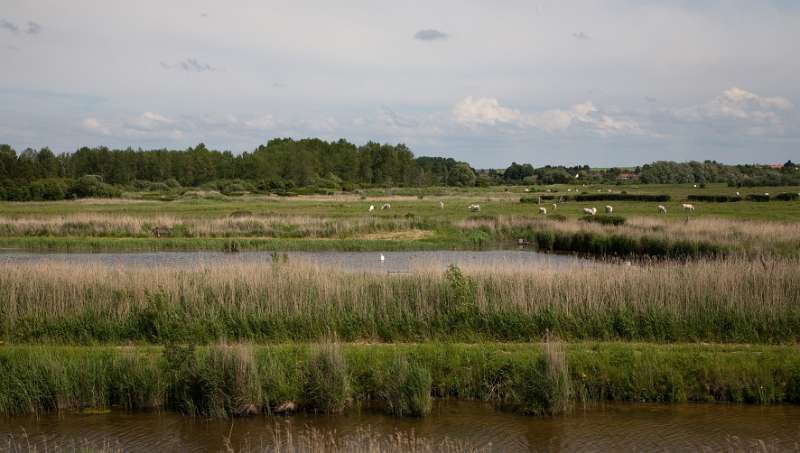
[347,261]
[616,427]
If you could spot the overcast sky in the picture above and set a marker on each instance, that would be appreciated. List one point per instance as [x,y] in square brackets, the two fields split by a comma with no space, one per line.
[603,82]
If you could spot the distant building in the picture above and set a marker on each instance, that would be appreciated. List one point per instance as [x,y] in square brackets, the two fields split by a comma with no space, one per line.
[776,166]
[627,176]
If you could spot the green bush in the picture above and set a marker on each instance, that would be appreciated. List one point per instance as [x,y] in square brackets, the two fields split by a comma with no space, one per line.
[621,197]
[92,186]
[787,196]
[715,198]
[758,197]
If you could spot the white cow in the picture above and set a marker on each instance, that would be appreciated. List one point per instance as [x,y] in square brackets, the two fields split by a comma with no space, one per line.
[441,204]
[371,207]
[386,206]
[590,211]
[474,208]
[609,209]
[688,207]
[555,206]
[542,210]
[662,209]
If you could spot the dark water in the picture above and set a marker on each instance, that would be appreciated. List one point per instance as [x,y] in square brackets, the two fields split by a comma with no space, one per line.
[347,261]
[616,427]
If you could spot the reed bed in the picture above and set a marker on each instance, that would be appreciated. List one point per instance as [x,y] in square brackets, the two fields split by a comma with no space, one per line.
[718,235]
[226,380]
[243,225]
[730,300]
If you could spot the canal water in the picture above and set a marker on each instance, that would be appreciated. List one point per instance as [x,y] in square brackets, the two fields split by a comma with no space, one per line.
[345,261]
[467,425]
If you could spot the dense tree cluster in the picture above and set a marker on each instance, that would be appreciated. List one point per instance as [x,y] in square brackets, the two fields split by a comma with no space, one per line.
[279,165]
[285,165]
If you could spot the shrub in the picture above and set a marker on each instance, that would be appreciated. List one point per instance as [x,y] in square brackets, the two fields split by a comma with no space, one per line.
[758,197]
[47,190]
[92,186]
[787,196]
[715,198]
[621,197]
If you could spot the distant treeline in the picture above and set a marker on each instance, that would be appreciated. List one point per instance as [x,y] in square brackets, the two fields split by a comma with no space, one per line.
[313,165]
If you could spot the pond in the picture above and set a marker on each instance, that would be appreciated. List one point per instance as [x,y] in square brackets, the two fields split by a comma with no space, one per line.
[473,425]
[393,262]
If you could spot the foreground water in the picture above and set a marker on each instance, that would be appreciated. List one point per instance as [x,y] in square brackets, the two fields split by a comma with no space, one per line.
[347,261]
[614,427]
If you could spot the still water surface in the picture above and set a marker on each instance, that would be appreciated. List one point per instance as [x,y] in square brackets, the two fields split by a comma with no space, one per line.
[614,427]
[346,261]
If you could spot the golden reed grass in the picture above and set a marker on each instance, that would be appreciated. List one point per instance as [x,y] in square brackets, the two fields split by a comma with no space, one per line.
[731,299]
[246,225]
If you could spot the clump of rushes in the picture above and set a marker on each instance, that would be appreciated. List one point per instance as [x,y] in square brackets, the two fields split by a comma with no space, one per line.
[327,385]
[406,388]
[543,387]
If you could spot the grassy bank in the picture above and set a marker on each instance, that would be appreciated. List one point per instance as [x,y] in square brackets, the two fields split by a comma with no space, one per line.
[226,380]
[721,300]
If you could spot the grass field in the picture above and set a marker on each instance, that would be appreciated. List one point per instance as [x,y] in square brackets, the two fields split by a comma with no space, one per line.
[343,222]
[493,201]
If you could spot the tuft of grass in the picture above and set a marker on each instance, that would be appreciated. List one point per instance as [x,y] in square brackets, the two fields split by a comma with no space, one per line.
[327,386]
[405,389]
[543,386]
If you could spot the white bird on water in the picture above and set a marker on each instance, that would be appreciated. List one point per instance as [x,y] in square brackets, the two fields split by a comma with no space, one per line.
[383,258]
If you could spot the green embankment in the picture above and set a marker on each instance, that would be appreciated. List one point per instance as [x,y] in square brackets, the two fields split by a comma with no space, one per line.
[227,380]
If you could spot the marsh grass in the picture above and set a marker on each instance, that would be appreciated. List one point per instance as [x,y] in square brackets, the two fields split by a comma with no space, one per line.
[327,386]
[235,380]
[690,238]
[405,388]
[732,300]
[243,224]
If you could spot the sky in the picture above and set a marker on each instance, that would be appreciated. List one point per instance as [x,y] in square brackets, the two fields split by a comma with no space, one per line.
[598,82]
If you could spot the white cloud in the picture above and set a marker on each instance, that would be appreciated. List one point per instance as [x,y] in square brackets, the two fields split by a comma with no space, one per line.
[149,121]
[585,116]
[93,125]
[755,114]
[264,122]
[483,111]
